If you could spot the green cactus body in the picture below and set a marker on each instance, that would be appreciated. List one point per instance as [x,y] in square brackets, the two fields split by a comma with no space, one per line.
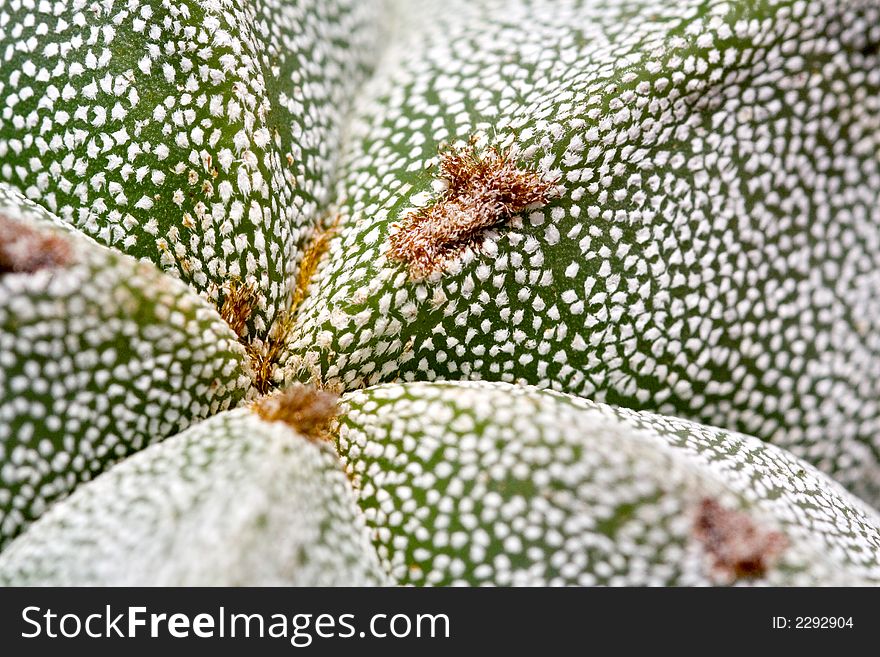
[100,356]
[492,483]
[232,501]
[712,250]
[596,280]
[198,135]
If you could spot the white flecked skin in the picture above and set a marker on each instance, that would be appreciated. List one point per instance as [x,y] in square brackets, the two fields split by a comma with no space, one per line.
[201,135]
[492,483]
[233,501]
[713,252]
[98,359]
[458,483]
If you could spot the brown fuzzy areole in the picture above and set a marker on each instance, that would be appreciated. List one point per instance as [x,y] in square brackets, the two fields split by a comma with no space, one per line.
[483,191]
[308,410]
[739,548]
[26,250]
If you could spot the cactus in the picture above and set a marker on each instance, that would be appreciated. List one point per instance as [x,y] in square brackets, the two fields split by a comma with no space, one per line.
[235,500]
[595,282]
[494,483]
[101,356]
[198,135]
[695,260]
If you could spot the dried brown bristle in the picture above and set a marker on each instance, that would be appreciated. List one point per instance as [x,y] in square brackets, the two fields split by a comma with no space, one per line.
[239,301]
[264,355]
[308,410]
[310,260]
[738,547]
[26,250]
[483,190]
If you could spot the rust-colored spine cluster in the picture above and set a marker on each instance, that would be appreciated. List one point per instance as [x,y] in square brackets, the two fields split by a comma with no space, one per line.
[738,547]
[310,261]
[482,191]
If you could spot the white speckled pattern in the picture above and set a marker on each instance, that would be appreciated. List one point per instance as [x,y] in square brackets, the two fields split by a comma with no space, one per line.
[233,501]
[492,483]
[635,340]
[199,134]
[714,252]
[98,359]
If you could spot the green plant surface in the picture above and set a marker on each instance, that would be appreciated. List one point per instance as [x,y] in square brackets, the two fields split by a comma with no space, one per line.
[232,501]
[711,251]
[199,135]
[492,483]
[423,292]
[101,355]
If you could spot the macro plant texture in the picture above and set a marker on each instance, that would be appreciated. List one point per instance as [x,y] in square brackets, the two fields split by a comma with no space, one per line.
[371,292]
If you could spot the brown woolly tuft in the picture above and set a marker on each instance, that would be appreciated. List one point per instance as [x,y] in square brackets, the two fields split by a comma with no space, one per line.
[26,250]
[738,547]
[239,301]
[308,410]
[483,191]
